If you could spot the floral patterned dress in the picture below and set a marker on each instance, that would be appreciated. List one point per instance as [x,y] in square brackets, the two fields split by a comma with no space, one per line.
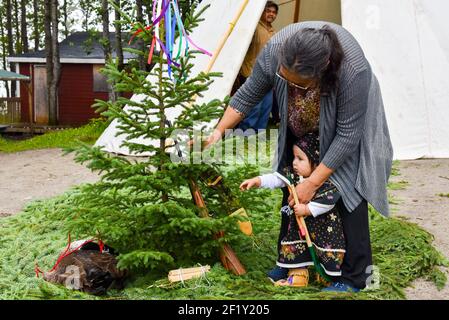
[303,111]
[326,230]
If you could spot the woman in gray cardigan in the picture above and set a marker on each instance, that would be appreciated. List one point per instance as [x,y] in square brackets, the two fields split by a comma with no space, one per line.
[355,147]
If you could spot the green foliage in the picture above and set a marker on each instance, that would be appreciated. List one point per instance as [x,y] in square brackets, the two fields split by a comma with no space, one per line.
[143,208]
[395,170]
[402,251]
[147,259]
[57,139]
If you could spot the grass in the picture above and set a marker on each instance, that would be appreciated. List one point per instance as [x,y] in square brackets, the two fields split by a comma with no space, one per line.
[57,139]
[444,195]
[400,185]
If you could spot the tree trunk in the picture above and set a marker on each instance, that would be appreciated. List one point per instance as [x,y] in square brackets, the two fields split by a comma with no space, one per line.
[86,7]
[10,43]
[23,25]
[49,53]
[4,47]
[118,37]
[107,43]
[65,19]
[54,89]
[141,44]
[36,24]
[149,10]
[17,27]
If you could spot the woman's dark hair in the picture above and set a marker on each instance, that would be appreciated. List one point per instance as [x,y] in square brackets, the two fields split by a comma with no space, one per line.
[314,54]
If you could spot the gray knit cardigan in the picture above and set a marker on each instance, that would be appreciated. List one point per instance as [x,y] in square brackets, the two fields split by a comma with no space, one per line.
[354,136]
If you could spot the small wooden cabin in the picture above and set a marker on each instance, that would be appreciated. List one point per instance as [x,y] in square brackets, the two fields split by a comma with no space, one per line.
[81,82]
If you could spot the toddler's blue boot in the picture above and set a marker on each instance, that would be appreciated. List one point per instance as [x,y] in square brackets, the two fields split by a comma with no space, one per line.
[277,274]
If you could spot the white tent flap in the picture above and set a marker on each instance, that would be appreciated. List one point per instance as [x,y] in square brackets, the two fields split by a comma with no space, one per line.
[407,43]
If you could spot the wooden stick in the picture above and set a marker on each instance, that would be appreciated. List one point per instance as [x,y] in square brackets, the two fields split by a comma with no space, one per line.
[187,274]
[227,256]
[189,270]
[301,224]
[300,220]
[222,43]
[226,35]
[297,10]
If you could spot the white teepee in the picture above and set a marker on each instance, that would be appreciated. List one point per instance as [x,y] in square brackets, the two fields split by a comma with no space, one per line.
[208,35]
[407,43]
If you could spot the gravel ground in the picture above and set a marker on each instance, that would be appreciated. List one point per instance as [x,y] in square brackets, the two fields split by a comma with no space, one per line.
[37,174]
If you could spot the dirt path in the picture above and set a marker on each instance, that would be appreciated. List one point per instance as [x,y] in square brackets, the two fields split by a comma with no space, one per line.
[425,201]
[37,174]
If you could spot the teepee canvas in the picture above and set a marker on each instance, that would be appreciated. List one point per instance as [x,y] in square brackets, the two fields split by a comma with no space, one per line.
[407,43]
[208,35]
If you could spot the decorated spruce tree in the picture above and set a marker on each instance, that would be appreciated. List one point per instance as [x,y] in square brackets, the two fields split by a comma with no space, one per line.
[143,206]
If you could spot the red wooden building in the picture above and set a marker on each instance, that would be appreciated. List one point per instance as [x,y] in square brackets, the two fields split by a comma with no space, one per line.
[81,82]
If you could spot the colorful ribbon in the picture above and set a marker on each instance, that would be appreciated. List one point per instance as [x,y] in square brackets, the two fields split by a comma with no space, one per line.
[169,11]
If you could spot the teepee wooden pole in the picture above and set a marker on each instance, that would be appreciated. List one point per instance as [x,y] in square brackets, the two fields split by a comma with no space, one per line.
[226,36]
[228,257]
[222,43]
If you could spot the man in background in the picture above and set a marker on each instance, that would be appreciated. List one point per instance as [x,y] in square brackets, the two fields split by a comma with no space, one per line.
[258,118]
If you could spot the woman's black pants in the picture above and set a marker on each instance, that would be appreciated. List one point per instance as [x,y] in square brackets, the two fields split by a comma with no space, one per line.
[357,264]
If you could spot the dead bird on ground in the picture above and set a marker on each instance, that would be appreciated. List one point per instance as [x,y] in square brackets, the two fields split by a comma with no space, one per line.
[90,267]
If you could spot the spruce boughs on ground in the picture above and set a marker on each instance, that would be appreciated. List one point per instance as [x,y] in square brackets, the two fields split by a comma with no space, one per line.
[402,251]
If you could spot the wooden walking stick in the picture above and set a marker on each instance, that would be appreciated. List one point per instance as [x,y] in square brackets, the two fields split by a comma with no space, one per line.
[227,256]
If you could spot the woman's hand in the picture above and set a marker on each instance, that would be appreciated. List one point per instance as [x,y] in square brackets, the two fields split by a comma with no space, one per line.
[250,183]
[212,139]
[305,192]
[310,186]
[302,210]
[231,118]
